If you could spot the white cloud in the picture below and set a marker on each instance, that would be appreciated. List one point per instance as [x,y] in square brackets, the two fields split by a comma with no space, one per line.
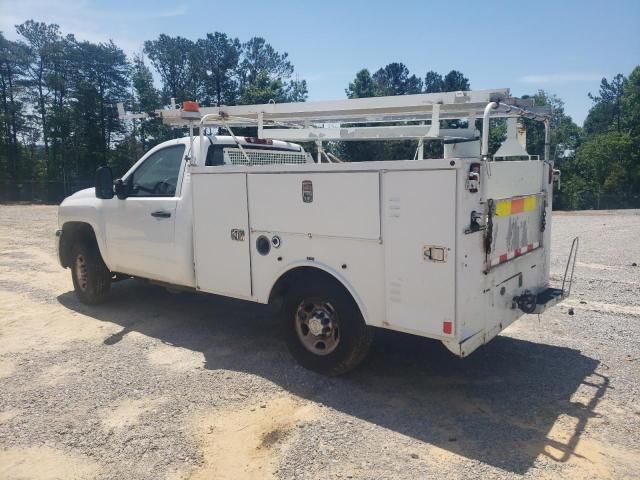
[558,78]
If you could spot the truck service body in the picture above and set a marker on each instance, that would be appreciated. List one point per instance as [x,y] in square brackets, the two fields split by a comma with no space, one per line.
[454,249]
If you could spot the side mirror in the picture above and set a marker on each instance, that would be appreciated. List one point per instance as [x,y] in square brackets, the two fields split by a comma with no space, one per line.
[121,188]
[104,183]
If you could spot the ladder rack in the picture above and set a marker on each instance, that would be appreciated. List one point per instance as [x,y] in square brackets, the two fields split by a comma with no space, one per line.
[415,117]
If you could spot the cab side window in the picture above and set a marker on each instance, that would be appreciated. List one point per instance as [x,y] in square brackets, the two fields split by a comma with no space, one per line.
[158,175]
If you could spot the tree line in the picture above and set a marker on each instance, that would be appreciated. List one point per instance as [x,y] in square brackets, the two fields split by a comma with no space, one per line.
[58,118]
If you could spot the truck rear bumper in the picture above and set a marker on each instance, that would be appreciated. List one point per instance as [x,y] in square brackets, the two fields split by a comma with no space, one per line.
[548,298]
[545,299]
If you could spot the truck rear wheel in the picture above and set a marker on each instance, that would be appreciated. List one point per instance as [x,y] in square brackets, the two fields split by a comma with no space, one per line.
[324,329]
[91,277]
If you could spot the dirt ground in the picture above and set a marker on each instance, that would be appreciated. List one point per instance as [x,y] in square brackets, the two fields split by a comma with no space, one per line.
[155,385]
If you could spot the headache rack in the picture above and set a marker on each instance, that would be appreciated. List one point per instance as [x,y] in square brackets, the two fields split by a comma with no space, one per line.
[247,156]
[400,117]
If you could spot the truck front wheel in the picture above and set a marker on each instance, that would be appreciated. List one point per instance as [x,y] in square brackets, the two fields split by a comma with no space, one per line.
[91,277]
[324,329]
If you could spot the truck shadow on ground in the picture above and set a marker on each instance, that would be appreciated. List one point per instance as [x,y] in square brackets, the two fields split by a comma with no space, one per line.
[498,406]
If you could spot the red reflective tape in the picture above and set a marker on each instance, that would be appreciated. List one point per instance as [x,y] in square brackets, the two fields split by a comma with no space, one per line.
[529,247]
[447,327]
[503,258]
[517,253]
[517,205]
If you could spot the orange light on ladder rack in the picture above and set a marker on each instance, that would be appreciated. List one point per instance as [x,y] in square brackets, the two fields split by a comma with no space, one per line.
[189,106]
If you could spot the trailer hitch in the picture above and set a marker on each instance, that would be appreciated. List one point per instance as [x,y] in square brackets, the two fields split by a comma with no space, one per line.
[526,302]
[530,303]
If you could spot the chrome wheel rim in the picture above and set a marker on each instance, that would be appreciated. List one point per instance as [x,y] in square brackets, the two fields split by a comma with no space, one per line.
[317,326]
[81,272]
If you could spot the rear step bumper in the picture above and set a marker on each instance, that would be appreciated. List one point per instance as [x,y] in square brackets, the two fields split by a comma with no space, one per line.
[548,298]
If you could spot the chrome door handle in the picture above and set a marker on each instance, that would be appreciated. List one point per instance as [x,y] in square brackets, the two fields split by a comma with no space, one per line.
[161,214]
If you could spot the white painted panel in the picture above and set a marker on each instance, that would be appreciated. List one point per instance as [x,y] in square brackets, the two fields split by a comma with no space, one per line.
[419,209]
[344,204]
[220,205]
[509,179]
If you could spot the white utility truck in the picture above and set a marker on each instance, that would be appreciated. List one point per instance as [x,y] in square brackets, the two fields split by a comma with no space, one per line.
[454,249]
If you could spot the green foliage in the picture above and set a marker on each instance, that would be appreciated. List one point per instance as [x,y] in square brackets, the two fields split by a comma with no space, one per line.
[146,98]
[258,57]
[14,61]
[630,104]
[395,79]
[362,86]
[606,164]
[605,171]
[263,89]
[220,56]
[433,82]
[58,118]
[566,136]
[179,65]
[453,81]
[607,111]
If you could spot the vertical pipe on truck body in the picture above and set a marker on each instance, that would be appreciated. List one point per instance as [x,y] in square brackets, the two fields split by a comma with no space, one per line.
[547,140]
[485,128]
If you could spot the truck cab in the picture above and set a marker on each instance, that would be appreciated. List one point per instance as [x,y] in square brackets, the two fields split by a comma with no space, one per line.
[145,229]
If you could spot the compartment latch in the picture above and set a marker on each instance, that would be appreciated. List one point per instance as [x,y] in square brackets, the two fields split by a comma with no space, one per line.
[434,253]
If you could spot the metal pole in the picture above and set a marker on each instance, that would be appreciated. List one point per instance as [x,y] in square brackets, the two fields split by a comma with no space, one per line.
[201,154]
[191,152]
[485,128]
[235,139]
[547,140]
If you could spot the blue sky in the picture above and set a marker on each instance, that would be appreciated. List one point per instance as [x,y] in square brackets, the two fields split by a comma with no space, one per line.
[562,47]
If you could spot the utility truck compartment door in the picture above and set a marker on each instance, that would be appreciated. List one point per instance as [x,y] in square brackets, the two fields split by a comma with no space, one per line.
[221,234]
[419,243]
[514,189]
[333,204]
[516,227]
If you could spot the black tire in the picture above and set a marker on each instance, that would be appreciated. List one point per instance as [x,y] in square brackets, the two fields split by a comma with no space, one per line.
[354,337]
[91,277]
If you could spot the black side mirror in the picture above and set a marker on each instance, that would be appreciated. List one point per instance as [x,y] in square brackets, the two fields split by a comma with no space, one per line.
[104,183]
[121,188]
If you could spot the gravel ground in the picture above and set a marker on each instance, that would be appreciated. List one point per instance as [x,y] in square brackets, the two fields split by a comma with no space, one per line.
[155,385]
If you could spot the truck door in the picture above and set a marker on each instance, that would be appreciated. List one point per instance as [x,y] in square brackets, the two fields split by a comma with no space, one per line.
[221,233]
[518,209]
[419,239]
[140,230]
